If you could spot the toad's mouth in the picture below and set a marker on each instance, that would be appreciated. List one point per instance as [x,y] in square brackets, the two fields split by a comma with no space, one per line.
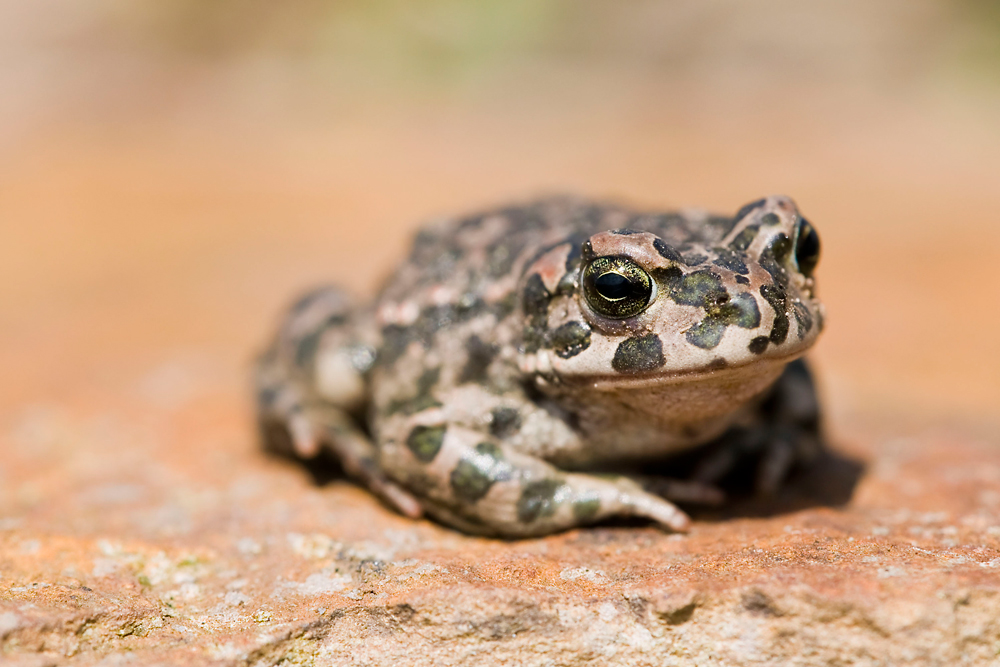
[715,374]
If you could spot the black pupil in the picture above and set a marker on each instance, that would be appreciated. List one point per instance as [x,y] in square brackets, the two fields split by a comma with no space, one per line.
[614,286]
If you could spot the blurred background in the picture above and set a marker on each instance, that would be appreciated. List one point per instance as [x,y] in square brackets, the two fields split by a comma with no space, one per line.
[171,173]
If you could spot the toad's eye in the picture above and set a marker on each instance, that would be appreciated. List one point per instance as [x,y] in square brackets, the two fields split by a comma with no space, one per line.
[616,287]
[806,248]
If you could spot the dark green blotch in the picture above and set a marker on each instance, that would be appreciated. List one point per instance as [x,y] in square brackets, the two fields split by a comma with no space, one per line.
[536,310]
[694,259]
[773,257]
[781,245]
[779,333]
[425,441]
[700,288]
[567,284]
[773,294]
[769,219]
[480,356]
[706,334]
[538,499]
[570,339]
[776,296]
[730,260]
[575,252]
[803,318]
[745,237]
[740,310]
[536,297]
[704,288]
[625,232]
[427,380]
[745,211]
[742,280]
[635,355]
[395,340]
[586,509]
[758,344]
[505,422]
[666,251]
[668,277]
[474,475]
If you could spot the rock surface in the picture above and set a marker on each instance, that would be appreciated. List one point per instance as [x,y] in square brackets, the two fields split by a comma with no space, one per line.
[169,537]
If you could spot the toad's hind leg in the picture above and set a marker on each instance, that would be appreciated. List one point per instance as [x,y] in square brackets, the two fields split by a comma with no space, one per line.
[474,483]
[306,388]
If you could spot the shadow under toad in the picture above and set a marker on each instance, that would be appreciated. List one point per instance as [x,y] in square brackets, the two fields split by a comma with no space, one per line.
[829,480]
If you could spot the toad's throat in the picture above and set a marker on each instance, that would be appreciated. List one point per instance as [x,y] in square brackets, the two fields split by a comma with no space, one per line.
[721,375]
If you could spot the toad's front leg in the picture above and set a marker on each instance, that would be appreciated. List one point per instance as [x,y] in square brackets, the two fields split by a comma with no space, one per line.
[476,483]
[785,434]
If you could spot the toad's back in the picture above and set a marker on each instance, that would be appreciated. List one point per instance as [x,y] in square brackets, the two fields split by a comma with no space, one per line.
[476,252]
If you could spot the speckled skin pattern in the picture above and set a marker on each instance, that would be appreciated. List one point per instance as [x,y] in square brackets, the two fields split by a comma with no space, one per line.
[522,353]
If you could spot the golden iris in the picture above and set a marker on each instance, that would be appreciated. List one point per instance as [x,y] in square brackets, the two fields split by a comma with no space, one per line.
[617,287]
